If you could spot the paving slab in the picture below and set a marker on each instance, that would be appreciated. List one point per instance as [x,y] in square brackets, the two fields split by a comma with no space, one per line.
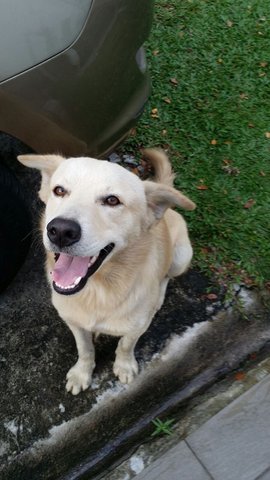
[179,463]
[235,443]
[265,475]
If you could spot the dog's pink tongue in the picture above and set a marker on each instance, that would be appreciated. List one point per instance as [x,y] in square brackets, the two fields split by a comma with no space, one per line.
[67,269]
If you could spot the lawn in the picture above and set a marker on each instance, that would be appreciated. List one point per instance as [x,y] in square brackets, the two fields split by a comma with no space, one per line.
[210,109]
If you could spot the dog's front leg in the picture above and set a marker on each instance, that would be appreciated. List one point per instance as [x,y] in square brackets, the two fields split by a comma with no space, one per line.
[80,375]
[125,366]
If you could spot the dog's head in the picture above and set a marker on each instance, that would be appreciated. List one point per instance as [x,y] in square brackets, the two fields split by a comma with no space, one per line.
[94,209]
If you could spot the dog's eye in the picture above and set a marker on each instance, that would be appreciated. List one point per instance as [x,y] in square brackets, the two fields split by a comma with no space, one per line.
[59,191]
[112,201]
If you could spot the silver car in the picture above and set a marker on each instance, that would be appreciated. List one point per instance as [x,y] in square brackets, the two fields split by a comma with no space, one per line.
[74,80]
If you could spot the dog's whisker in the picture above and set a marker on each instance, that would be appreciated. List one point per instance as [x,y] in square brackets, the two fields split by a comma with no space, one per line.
[29,234]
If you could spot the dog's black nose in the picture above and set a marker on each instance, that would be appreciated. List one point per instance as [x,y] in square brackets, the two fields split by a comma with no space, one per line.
[63,232]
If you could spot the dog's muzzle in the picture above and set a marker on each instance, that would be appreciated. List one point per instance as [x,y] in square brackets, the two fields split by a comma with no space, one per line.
[71,273]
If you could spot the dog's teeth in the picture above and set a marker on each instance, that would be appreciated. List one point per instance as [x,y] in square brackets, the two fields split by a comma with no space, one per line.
[92,260]
[69,287]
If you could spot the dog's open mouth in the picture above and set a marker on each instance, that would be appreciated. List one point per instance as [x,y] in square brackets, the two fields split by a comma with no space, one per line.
[71,273]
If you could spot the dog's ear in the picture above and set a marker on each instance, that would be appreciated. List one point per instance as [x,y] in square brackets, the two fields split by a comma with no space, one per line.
[159,197]
[47,164]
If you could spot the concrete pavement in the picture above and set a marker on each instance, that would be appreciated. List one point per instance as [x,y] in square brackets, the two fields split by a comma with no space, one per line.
[233,445]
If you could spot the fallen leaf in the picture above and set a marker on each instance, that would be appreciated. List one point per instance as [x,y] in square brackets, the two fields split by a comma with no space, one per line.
[262,74]
[262,173]
[133,132]
[243,96]
[165,147]
[205,250]
[229,23]
[167,100]
[251,125]
[267,134]
[263,64]
[248,281]
[211,296]
[219,60]
[164,132]
[249,203]
[154,113]
[239,376]
[155,52]
[174,81]
[202,187]
[213,142]
[226,161]
[231,170]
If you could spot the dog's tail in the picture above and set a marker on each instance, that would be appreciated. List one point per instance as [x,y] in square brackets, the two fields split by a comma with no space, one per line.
[161,166]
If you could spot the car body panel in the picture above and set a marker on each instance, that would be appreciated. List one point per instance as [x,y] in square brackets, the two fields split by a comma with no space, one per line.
[33,31]
[85,99]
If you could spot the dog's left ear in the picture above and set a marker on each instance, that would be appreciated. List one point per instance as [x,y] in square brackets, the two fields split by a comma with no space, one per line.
[47,164]
[161,197]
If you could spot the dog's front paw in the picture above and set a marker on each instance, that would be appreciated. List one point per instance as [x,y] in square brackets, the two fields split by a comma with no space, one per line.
[125,371]
[79,377]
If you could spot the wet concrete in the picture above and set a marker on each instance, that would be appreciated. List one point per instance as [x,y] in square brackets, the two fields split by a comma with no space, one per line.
[46,433]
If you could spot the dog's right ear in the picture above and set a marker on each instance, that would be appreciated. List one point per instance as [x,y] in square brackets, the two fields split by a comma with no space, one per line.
[160,197]
[47,164]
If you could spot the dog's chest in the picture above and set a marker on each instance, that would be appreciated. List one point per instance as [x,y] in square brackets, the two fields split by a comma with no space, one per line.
[103,316]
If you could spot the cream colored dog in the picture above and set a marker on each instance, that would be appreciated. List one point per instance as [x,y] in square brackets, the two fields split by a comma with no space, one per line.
[112,244]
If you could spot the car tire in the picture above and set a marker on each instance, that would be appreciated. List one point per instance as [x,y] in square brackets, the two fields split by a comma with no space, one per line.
[15,226]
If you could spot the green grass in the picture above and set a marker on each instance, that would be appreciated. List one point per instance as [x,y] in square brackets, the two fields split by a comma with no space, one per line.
[219,53]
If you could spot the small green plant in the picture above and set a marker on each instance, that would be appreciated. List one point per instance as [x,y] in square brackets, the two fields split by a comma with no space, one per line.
[162,428]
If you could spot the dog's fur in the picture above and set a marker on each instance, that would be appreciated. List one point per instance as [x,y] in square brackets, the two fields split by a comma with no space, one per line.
[151,246]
